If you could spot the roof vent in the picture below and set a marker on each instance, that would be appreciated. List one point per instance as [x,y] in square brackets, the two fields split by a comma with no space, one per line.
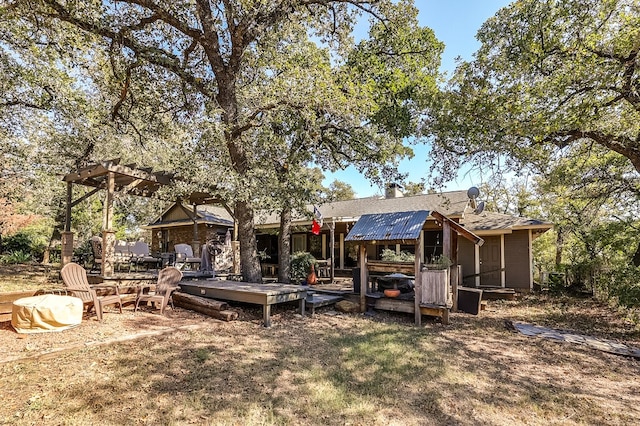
[393,191]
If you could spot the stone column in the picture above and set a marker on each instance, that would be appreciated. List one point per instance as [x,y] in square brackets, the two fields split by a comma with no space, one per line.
[67,247]
[235,249]
[108,252]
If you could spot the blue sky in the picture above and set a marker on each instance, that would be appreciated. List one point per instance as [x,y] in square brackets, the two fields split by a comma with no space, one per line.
[455,22]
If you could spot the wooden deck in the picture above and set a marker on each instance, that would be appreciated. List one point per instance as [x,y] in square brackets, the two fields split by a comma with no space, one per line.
[238,291]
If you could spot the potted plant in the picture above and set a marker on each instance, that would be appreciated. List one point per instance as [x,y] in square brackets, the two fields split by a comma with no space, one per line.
[300,266]
[440,262]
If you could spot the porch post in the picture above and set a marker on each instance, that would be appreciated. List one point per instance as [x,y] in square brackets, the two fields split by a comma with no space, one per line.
[418,279]
[332,250]
[108,234]
[195,244]
[453,271]
[342,255]
[364,276]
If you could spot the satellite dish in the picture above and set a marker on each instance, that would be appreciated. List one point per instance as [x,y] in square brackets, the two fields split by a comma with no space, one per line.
[473,193]
[480,208]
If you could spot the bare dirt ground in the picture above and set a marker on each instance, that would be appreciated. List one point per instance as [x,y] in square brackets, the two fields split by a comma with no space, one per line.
[373,369]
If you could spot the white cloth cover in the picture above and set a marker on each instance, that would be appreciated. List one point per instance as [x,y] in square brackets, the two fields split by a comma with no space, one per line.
[48,312]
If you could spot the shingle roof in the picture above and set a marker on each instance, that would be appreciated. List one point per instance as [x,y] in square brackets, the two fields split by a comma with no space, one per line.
[451,204]
[490,221]
[215,214]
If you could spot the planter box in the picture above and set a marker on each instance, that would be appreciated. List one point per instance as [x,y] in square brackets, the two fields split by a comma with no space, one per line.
[382,266]
[436,287]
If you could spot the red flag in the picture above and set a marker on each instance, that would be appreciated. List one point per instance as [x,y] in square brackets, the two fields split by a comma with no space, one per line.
[315,228]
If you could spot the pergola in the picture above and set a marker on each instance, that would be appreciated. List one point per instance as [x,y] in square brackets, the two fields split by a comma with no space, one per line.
[113,177]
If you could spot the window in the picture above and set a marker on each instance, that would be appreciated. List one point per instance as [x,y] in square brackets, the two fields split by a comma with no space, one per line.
[432,244]
[299,243]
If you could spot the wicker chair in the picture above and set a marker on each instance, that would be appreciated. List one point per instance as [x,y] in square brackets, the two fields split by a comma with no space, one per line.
[168,280]
[96,249]
[75,280]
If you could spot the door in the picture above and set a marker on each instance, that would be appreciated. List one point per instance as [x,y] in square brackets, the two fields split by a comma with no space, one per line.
[491,262]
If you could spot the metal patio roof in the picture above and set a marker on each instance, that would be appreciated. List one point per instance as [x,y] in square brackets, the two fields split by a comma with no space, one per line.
[396,226]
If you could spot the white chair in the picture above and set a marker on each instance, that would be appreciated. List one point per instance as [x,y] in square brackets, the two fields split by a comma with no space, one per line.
[185,257]
[122,255]
[140,255]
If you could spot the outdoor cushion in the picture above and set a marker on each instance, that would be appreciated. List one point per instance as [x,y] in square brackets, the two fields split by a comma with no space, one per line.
[48,312]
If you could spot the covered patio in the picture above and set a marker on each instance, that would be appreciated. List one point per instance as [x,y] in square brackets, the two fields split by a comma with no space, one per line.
[406,228]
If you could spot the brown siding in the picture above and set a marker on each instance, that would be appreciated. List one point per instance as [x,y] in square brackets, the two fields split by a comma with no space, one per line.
[175,213]
[466,258]
[517,261]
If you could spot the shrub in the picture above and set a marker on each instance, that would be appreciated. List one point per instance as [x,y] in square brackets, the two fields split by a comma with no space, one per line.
[32,239]
[300,265]
[17,256]
[391,256]
[17,242]
[439,262]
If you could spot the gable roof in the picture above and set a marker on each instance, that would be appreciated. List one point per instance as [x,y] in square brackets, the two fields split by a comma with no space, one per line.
[451,204]
[206,214]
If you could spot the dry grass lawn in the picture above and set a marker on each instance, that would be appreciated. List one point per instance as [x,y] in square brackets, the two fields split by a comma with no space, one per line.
[334,369]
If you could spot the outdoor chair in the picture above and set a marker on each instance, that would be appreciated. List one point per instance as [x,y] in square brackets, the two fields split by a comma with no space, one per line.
[184,256]
[324,268]
[140,255]
[168,280]
[75,280]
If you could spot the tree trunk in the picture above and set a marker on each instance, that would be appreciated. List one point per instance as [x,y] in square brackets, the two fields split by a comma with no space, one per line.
[284,246]
[250,264]
[183,299]
[559,247]
[636,256]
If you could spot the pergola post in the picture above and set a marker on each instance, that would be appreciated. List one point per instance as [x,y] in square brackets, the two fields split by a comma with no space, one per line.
[67,236]
[108,234]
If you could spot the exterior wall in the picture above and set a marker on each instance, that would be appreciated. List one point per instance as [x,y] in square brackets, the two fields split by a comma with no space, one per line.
[517,260]
[467,259]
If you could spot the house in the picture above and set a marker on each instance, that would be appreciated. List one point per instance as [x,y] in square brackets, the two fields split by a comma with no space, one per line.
[504,260]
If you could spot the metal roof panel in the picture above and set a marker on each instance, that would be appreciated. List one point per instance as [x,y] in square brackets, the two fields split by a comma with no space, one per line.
[404,226]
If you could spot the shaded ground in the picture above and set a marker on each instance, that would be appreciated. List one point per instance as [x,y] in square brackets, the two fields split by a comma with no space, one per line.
[330,369]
